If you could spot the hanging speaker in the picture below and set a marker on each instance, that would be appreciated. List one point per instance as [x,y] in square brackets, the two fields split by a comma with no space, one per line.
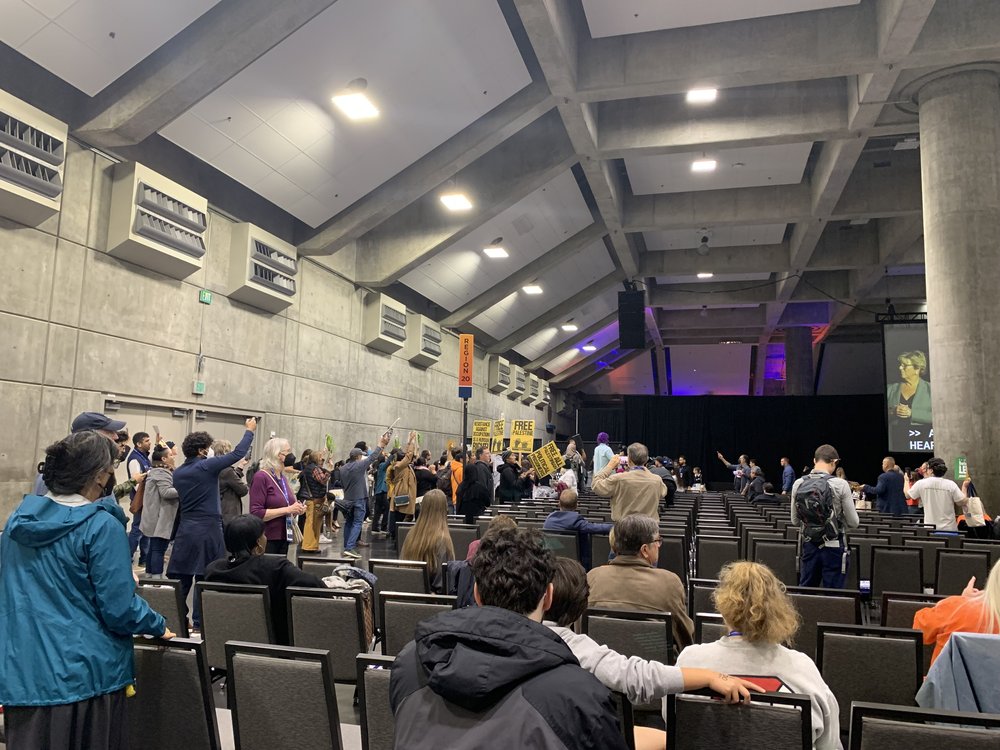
[631,322]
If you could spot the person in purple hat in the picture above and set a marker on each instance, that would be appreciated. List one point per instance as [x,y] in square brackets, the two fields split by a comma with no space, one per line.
[603,455]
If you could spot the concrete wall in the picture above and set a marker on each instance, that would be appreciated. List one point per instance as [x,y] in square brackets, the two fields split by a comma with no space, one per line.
[78,324]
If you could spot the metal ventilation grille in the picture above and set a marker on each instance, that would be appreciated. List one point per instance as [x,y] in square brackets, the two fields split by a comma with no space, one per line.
[273,258]
[183,214]
[17,168]
[394,316]
[270,278]
[392,330]
[533,389]
[520,384]
[503,373]
[430,341]
[159,230]
[31,141]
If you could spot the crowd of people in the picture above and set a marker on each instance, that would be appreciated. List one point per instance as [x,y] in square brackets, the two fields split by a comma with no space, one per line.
[511,659]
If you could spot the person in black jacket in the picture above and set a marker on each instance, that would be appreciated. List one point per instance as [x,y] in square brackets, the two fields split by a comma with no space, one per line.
[475,494]
[494,676]
[511,478]
[247,563]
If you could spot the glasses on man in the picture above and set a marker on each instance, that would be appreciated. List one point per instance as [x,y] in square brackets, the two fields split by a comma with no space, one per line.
[656,540]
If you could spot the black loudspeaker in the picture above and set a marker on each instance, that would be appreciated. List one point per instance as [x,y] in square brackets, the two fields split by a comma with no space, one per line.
[631,322]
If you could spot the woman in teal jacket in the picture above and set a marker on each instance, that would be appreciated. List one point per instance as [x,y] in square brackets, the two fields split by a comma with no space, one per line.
[68,607]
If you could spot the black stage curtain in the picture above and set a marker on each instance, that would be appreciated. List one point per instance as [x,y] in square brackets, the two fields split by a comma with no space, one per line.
[763,427]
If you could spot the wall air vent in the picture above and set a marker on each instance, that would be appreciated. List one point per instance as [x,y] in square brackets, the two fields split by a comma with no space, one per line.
[518,382]
[156,223]
[32,154]
[423,341]
[499,375]
[262,268]
[384,323]
[531,389]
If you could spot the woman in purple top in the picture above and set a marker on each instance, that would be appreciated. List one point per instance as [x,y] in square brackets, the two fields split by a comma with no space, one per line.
[272,499]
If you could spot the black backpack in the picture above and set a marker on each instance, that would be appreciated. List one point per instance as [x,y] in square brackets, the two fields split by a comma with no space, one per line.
[444,481]
[814,508]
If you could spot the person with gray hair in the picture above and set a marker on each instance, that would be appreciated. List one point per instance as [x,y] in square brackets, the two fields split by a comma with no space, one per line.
[68,606]
[232,487]
[271,496]
[636,490]
[633,582]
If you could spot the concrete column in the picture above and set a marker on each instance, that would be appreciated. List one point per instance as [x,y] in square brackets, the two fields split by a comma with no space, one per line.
[960,170]
[799,379]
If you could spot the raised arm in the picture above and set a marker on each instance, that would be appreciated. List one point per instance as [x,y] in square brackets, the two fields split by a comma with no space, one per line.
[216,464]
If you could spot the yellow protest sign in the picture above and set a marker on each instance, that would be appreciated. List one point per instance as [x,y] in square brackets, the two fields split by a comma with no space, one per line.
[522,435]
[481,433]
[498,428]
[546,460]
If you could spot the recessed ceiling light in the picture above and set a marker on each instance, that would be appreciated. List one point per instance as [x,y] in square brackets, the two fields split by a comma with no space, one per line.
[589,347]
[456,201]
[569,327]
[702,96]
[531,289]
[353,101]
[703,165]
[730,341]
[705,275]
[494,251]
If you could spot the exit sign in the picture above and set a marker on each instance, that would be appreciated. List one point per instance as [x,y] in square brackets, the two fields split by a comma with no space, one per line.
[205,297]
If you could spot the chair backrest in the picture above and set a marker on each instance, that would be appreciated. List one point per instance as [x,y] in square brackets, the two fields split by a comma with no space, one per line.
[674,555]
[983,545]
[712,552]
[401,613]
[956,566]
[816,605]
[708,627]
[332,620]
[164,596]
[896,569]
[626,718]
[930,547]
[172,680]
[700,595]
[233,612]
[600,549]
[400,575]
[777,721]
[378,724]
[402,529]
[858,663]
[781,556]
[321,567]
[898,609]
[647,635]
[865,542]
[461,537]
[562,544]
[875,726]
[258,675]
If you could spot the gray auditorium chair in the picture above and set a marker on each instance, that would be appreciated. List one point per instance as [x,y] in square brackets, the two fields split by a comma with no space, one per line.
[776,721]
[674,555]
[402,529]
[708,627]
[817,605]
[282,697]
[858,663]
[600,549]
[164,596]
[699,595]
[378,725]
[896,569]
[562,544]
[461,537]
[232,612]
[400,614]
[876,726]
[321,567]
[781,556]
[864,559]
[331,620]
[626,718]
[930,548]
[399,575]
[712,552]
[898,609]
[956,566]
[984,545]
[171,681]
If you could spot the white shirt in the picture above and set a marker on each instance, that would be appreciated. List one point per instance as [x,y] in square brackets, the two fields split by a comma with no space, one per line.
[939,497]
[743,659]
[568,478]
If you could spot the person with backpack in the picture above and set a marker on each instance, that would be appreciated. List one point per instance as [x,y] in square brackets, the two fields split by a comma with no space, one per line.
[823,508]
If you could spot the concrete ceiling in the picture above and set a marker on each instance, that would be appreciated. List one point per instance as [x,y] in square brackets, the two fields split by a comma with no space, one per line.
[566,123]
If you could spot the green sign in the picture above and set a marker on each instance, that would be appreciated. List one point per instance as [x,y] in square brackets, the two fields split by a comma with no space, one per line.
[198,389]
[961,469]
[205,297]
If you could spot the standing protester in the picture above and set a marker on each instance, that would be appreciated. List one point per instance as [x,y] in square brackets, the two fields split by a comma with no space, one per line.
[888,491]
[823,508]
[272,499]
[939,497]
[313,482]
[684,477]
[198,540]
[635,490]
[457,475]
[160,504]
[68,607]
[380,519]
[354,477]
[603,455]
[511,479]
[88,420]
[741,471]
[475,494]
[577,459]
[137,464]
[232,488]
[402,484]
[787,476]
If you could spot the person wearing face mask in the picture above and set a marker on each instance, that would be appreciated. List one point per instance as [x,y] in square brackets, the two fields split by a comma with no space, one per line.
[159,504]
[272,498]
[198,540]
[68,606]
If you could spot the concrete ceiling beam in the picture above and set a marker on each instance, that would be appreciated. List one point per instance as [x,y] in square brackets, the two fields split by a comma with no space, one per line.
[584,335]
[742,259]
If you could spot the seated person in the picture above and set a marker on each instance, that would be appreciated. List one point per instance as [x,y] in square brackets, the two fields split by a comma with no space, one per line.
[767,496]
[473,676]
[974,611]
[247,563]
[499,521]
[639,680]
[568,476]
[567,518]
[429,540]
[761,617]
[755,487]
[633,582]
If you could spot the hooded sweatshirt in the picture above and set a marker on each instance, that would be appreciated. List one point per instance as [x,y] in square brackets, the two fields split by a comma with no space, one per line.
[488,677]
[68,607]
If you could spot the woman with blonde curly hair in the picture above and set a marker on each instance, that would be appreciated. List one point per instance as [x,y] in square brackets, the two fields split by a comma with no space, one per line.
[761,618]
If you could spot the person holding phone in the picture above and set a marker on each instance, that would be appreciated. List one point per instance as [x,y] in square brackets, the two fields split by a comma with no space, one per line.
[354,477]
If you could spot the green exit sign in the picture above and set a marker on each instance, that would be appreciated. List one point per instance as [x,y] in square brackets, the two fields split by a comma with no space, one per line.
[205,297]
[198,388]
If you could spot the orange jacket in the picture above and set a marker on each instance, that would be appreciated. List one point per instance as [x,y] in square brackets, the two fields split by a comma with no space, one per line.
[457,472]
[956,614]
